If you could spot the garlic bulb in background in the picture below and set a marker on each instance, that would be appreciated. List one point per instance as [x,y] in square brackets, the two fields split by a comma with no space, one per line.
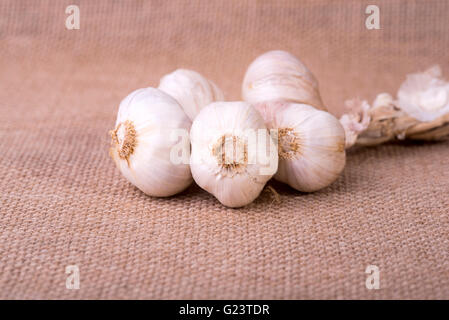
[424,96]
[233,155]
[278,75]
[191,90]
[148,124]
[311,144]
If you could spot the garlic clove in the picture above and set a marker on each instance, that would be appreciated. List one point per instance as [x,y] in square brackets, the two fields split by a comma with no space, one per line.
[424,96]
[311,144]
[191,90]
[226,160]
[142,141]
[278,75]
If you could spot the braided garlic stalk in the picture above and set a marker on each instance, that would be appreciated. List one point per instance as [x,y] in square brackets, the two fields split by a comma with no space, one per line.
[420,112]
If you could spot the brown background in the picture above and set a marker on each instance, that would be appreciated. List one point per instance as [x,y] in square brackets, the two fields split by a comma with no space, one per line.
[63,202]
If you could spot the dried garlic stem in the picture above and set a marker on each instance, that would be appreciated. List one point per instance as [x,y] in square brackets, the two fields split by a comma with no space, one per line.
[423,95]
[389,123]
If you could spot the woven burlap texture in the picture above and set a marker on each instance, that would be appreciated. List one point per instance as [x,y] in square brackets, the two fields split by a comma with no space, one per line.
[63,202]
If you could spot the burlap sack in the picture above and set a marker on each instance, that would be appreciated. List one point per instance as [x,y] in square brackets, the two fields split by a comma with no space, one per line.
[63,202]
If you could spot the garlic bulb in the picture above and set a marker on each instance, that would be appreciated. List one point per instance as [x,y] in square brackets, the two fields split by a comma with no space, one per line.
[191,90]
[311,144]
[233,155]
[278,75]
[148,125]
[424,96]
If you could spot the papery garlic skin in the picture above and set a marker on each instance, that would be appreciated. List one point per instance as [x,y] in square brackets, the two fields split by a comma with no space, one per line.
[278,75]
[146,130]
[356,120]
[227,126]
[191,90]
[311,144]
[383,99]
[424,96]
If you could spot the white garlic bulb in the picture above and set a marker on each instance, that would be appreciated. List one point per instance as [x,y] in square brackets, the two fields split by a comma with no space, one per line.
[191,90]
[424,96]
[148,125]
[233,155]
[278,75]
[311,144]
